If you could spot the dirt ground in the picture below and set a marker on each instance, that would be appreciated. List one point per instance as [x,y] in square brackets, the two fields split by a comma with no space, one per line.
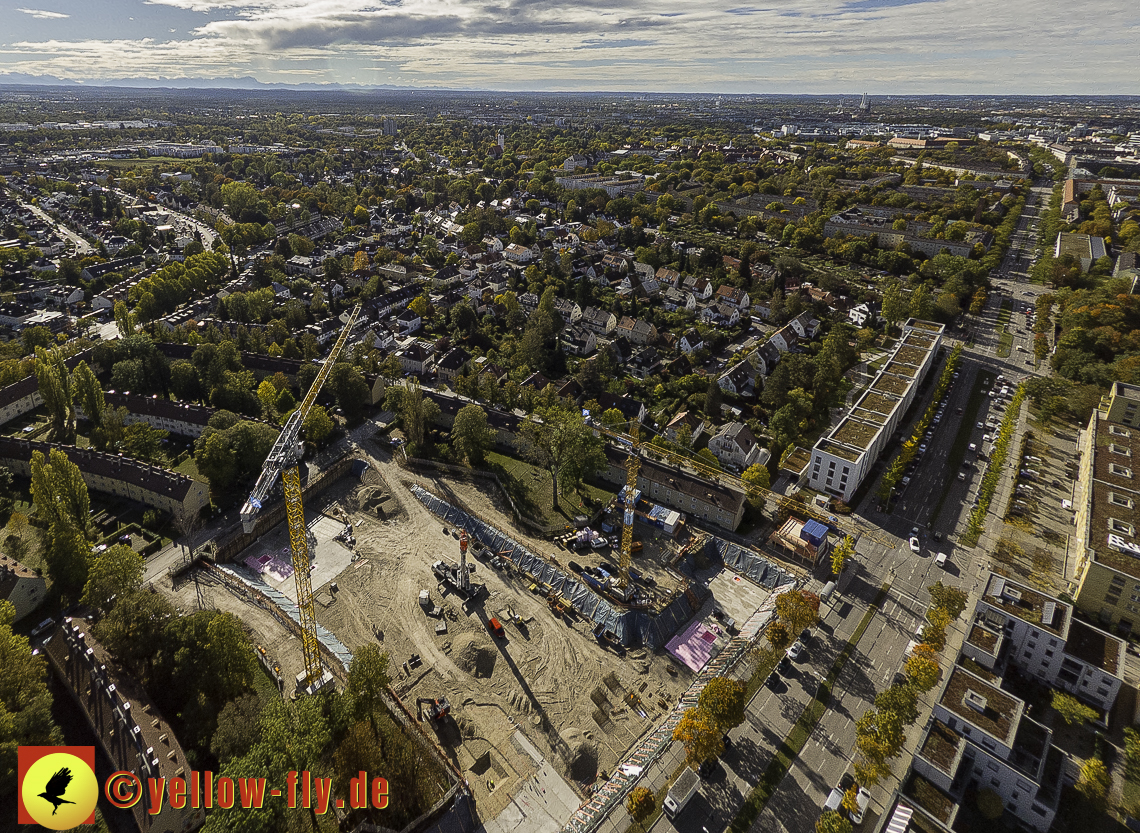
[581,705]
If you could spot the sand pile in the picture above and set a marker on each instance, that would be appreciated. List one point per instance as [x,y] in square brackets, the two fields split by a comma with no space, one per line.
[372,498]
[581,756]
[473,656]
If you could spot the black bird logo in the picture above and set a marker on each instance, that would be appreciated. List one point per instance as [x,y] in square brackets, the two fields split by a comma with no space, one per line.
[56,787]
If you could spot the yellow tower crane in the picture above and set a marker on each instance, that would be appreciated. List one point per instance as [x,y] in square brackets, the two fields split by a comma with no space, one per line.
[636,449]
[284,459]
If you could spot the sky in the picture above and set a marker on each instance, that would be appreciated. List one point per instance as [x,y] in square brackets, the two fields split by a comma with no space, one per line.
[717,46]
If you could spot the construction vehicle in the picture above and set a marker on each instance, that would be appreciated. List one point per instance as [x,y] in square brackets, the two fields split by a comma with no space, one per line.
[496,627]
[283,461]
[437,709]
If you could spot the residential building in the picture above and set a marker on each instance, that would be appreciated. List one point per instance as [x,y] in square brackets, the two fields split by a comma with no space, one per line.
[863,315]
[684,491]
[685,419]
[636,330]
[738,379]
[22,586]
[733,296]
[736,447]
[127,725]
[1085,248]
[417,357]
[578,340]
[691,341]
[409,322]
[452,364]
[120,476]
[518,254]
[599,321]
[842,458]
[1107,519]
[645,362]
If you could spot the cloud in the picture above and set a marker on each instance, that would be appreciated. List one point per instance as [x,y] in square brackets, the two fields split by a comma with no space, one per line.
[717,45]
[40,14]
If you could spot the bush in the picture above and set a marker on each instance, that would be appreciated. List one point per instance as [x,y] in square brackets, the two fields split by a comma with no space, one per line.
[152,519]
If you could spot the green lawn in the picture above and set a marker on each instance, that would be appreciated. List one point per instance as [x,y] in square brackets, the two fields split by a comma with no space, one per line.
[962,440]
[532,490]
[779,765]
[1005,343]
[189,468]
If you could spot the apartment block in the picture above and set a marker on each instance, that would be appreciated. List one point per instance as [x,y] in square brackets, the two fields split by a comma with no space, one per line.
[1105,543]
[841,459]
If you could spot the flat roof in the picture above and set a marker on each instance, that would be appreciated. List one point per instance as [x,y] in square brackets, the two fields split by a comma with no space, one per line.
[941,746]
[999,713]
[1094,647]
[855,433]
[1027,604]
[984,638]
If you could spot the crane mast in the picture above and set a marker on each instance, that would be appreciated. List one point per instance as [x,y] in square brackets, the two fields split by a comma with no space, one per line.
[632,468]
[283,460]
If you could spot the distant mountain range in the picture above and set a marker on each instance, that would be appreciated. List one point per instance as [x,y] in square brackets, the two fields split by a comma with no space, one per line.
[243,83]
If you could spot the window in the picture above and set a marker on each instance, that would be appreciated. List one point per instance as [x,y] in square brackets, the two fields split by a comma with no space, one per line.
[992,767]
[1048,653]
[1038,810]
[1117,430]
[1028,655]
[1102,692]
[1053,642]
[1120,500]
[1122,450]
[846,469]
[1120,471]
[1121,527]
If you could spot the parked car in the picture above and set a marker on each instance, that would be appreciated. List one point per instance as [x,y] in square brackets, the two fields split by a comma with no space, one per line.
[914,545]
[795,651]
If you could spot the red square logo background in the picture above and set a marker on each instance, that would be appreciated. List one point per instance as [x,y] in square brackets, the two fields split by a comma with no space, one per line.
[28,755]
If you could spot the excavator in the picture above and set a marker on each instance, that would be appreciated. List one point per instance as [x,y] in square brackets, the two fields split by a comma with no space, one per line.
[436,709]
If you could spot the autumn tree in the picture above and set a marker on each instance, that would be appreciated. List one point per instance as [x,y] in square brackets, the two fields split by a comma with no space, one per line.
[724,699]
[417,413]
[797,609]
[697,731]
[470,434]
[755,479]
[901,701]
[832,822]
[922,669]
[640,804]
[842,553]
[953,600]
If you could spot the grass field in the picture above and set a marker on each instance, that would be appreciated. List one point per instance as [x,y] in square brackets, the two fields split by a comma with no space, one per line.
[779,765]
[132,164]
[1005,338]
[532,490]
[189,468]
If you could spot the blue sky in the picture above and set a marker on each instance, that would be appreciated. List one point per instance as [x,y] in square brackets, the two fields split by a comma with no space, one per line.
[882,46]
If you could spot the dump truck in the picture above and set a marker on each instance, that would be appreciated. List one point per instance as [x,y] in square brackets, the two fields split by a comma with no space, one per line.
[436,709]
[682,790]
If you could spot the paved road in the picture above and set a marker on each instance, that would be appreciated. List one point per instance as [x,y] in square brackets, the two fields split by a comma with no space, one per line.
[82,247]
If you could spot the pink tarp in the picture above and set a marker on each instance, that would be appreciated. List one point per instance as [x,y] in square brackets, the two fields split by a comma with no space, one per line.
[693,646]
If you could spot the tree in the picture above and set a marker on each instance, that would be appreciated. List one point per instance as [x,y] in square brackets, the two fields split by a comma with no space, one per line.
[470,434]
[921,302]
[114,574]
[1072,710]
[797,609]
[143,442]
[713,398]
[894,304]
[215,460]
[560,441]
[55,388]
[318,425]
[237,729]
[922,670]
[267,394]
[184,381]
[842,553]
[879,735]
[724,699]
[60,495]
[899,700]
[778,635]
[1132,749]
[641,804]
[978,302]
[25,702]
[124,319]
[697,732]
[417,413]
[133,630]
[88,393]
[1094,782]
[350,389]
[420,305]
[755,478]
[950,599]
[832,822]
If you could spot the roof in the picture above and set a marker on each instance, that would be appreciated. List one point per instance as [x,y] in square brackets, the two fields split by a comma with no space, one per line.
[1095,647]
[1027,604]
[687,483]
[998,713]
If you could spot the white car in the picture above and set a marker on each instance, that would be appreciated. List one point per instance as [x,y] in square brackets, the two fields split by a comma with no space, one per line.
[862,799]
[795,651]
[914,546]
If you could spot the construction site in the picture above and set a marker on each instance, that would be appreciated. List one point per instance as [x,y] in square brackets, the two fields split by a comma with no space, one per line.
[529,649]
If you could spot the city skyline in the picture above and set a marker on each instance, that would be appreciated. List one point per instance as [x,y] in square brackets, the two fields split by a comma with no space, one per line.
[835,46]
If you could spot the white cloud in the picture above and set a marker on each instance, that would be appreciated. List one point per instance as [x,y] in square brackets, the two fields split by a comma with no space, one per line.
[40,14]
[732,45]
